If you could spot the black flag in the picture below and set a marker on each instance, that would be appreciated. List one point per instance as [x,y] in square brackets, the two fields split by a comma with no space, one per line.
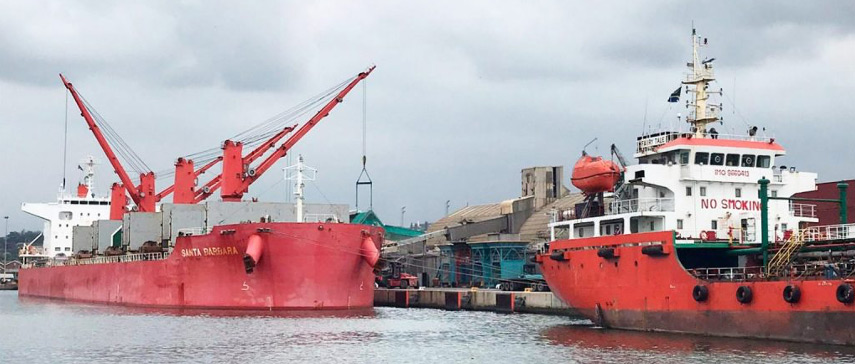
[675,96]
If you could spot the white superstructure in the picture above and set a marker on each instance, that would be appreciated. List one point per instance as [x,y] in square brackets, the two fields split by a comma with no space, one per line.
[699,183]
[70,210]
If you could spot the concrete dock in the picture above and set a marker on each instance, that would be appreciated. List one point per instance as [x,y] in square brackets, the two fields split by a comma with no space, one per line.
[476,300]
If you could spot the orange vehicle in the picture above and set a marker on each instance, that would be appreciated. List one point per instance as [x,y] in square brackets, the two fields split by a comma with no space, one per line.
[393,277]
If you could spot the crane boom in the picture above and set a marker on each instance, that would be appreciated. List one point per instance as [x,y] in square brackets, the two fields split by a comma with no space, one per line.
[234,184]
[616,152]
[140,198]
[270,143]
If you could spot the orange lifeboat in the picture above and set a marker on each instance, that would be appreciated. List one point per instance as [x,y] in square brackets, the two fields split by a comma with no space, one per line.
[595,175]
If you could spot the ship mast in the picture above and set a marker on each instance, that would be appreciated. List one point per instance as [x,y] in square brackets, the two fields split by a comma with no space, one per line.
[699,77]
[89,173]
[300,177]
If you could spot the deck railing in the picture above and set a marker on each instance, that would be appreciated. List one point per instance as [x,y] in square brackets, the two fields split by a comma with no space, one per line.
[814,270]
[829,232]
[321,218]
[98,260]
[803,209]
[192,231]
[649,143]
[641,204]
[730,274]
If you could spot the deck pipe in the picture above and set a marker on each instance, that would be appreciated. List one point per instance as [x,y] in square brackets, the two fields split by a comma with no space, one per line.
[764,220]
[841,186]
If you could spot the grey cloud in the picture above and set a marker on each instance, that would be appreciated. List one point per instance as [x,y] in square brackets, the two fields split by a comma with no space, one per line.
[465,94]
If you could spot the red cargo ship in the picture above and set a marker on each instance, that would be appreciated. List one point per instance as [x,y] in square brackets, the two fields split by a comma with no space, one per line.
[188,254]
[299,266]
[703,236]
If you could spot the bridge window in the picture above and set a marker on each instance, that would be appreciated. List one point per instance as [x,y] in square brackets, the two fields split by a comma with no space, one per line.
[763,161]
[714,224]
[732,160]
[703,191]
[679,224]
[717,159]
[748,160]
[738,192]
[702,158]
[688,190]
[684,157]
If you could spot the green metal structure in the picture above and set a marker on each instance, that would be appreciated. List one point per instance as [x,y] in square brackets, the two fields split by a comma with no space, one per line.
[393,233]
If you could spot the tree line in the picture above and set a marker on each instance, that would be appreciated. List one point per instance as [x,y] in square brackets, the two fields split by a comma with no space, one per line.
[13,241]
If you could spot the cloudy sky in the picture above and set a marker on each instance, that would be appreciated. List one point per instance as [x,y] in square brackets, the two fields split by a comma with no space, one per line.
[463,97]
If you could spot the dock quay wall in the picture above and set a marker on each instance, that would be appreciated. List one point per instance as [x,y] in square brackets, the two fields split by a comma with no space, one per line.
[475,300]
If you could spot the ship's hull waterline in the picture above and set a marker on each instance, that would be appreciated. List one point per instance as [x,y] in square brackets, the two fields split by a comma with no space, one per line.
[653,292]
[301,266]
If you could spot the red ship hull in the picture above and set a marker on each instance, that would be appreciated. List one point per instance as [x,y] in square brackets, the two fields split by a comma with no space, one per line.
[653,292]
[301,266]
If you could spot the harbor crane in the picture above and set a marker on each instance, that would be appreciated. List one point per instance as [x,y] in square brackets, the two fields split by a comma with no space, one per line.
[238,172]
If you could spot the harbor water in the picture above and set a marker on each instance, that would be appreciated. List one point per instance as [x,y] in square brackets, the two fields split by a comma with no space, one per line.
[43,331]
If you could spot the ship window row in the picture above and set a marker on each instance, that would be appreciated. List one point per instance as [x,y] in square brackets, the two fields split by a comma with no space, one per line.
[733,160]
[702,190]
[76,202]
[706,158]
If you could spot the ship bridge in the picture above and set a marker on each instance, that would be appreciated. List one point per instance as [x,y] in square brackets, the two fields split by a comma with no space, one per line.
[699,183]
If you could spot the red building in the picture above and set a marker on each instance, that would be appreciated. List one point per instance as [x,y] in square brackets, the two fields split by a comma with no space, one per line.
[829,212]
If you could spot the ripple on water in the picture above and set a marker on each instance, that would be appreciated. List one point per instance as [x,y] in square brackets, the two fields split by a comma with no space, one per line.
[58,332]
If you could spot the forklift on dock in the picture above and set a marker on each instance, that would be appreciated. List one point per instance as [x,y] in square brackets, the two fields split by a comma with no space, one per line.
[393,276]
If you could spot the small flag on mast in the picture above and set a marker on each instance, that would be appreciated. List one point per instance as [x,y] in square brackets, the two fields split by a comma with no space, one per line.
[675,96]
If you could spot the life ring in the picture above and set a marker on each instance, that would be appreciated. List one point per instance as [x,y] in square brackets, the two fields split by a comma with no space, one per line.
[792,294]
[744,294]
[700,293]
[845,293]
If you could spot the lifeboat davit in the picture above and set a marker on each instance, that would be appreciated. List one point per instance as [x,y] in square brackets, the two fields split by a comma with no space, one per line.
[595,175]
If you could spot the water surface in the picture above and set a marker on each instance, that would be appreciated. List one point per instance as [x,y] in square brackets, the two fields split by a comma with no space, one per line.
[44,331]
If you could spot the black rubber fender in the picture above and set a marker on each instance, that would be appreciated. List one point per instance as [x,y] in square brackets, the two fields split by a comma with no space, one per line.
[845,293]
[557,255]
[607,253]
[792,294]
[700,293]
[744,294]
[653,250]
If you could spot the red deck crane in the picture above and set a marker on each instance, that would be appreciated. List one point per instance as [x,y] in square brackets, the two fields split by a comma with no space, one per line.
[143,195]
[237,174]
